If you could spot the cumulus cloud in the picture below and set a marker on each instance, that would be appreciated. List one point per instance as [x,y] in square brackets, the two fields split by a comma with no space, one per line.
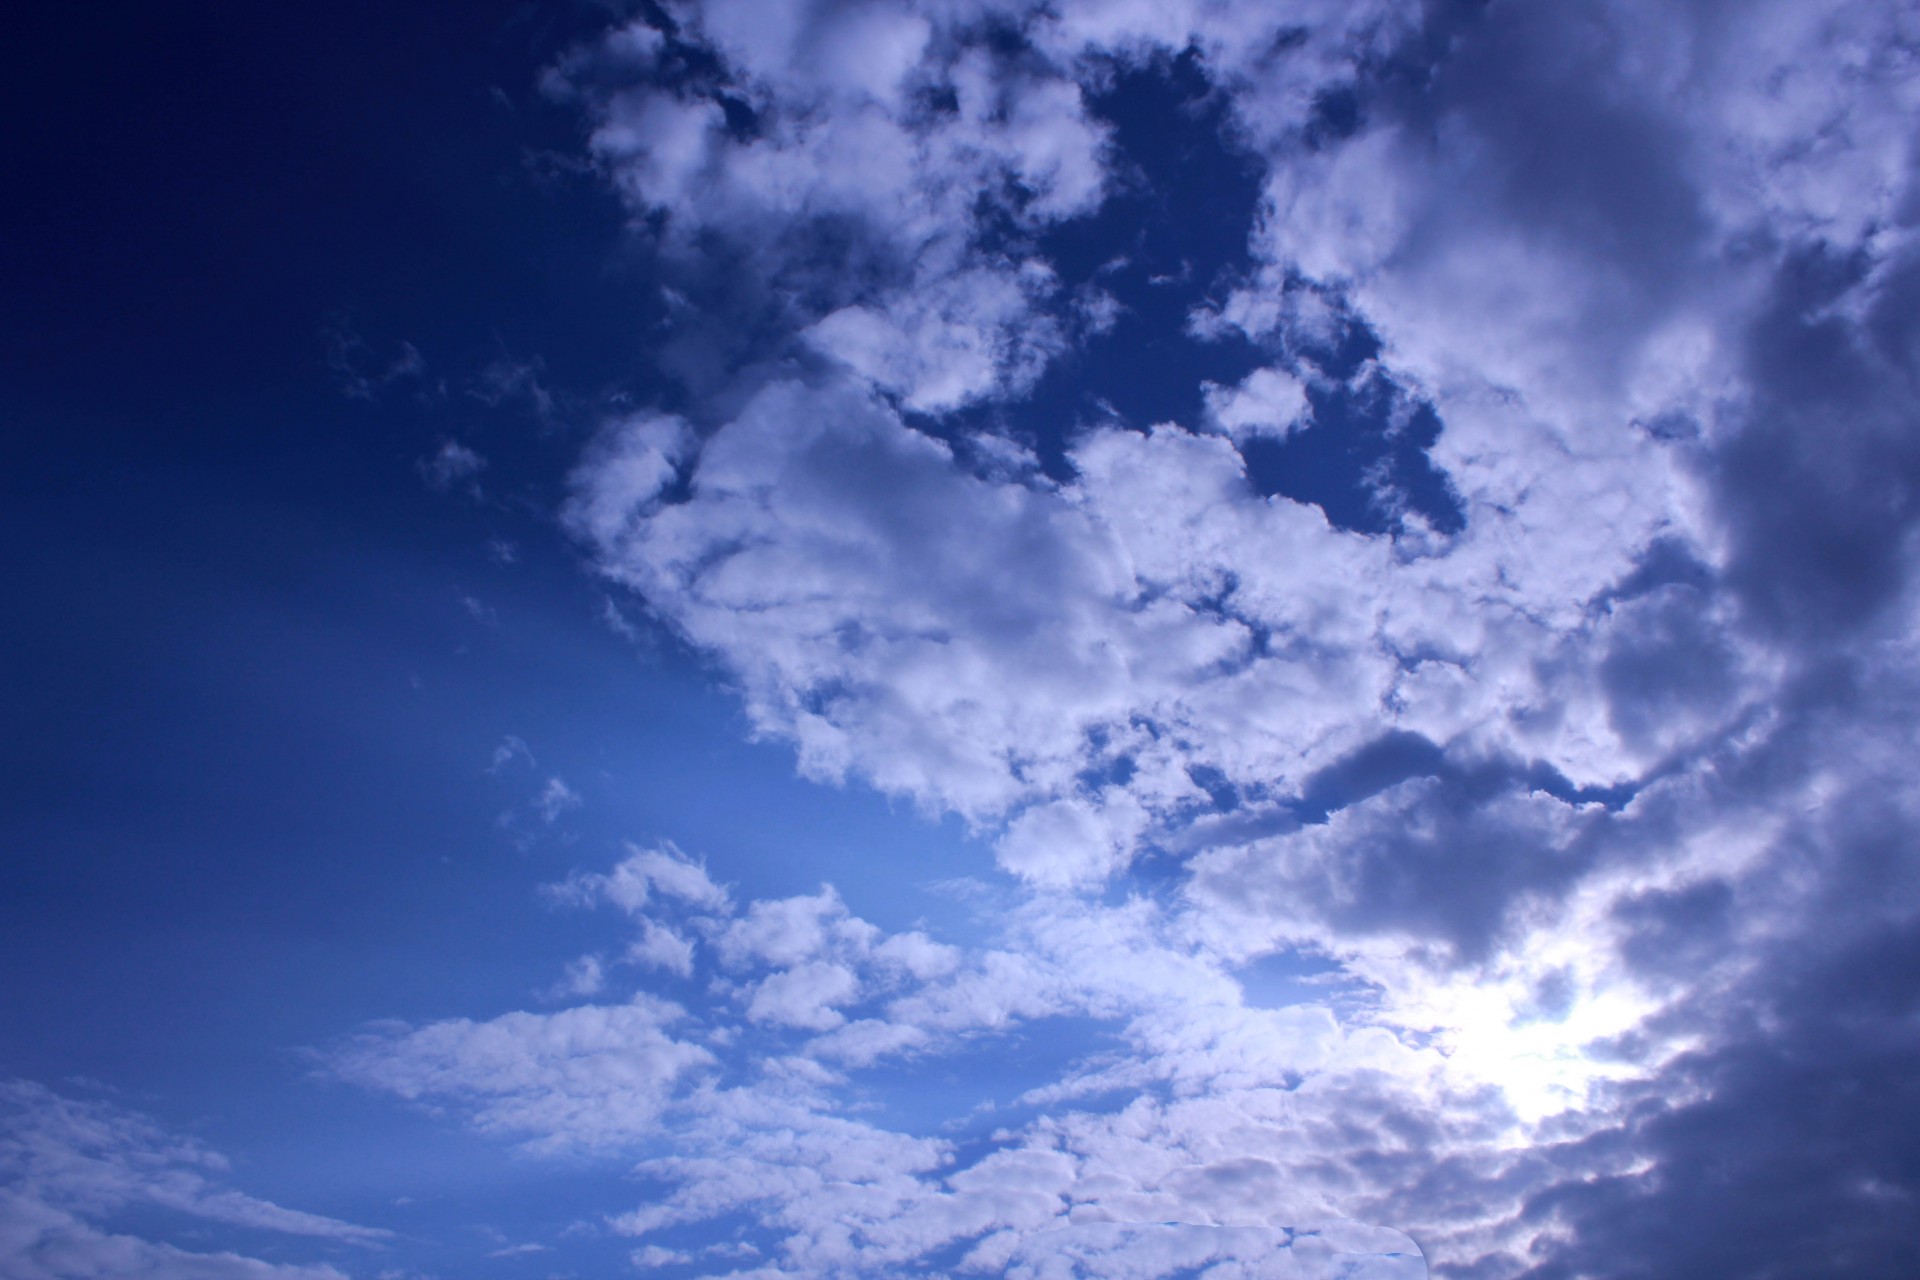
[972,334]
[660,947]
[1266,402]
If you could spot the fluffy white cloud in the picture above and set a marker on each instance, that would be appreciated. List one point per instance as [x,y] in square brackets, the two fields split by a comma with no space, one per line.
[881,142]
[643,875]
[1070,841]
[595,1076]
[804,996]
[978,332]
[791,931]
[1163,615]
[1267,402]
[660,947]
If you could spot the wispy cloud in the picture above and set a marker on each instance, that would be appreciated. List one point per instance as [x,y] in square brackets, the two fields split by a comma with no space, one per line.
[453,468]
[555,799]
[69,1165]
[359,372]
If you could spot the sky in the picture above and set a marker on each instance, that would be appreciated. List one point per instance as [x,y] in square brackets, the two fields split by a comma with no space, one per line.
[818,639]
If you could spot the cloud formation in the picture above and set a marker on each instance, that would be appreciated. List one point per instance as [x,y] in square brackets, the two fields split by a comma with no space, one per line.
[1521,632]
[736,1101]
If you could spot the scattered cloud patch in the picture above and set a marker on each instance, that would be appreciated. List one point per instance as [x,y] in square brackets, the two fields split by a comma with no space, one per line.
[556,798]
[453,468]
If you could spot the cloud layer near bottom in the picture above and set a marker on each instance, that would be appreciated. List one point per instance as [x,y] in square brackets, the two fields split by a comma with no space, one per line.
[69,1167]
[753,1095]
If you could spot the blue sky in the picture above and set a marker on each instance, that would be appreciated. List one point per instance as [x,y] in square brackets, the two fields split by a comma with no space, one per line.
[769,639]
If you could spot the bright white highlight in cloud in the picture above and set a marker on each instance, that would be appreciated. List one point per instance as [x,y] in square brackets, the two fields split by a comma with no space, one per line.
[1268,402]
[949,342]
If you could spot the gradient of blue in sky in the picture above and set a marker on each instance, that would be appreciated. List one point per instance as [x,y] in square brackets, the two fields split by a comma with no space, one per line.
[848,639]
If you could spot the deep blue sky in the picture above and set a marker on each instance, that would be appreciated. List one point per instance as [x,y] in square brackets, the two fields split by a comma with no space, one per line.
[251,717]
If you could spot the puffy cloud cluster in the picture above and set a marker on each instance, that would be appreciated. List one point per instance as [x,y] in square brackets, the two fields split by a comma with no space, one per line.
[1595,796]
[1080,655]
[840,161]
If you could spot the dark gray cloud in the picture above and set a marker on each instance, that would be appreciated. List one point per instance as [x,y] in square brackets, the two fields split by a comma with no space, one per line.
[1820,487]
[1785,1151]
[1667,659]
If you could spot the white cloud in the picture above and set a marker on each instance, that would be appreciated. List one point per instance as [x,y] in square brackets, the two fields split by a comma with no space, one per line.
[970,335]
[652,1255]
[1068,842]
[660,947]
[1267,402]
[1164,614]
[844,138]
[39,1243]
[510,750]
[634,460]
[792,931]
[843,1192]
[640,876]
[804,996]
[585,976]
[591,1077]
[918,955]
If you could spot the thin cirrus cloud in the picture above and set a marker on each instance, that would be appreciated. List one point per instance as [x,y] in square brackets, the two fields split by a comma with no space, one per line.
[71,1165]
[1575,801]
